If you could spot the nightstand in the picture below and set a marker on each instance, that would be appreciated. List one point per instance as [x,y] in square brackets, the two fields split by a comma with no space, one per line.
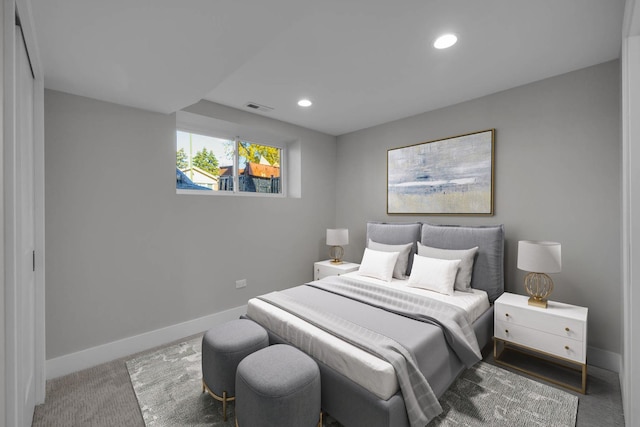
[558,333]
[326,268]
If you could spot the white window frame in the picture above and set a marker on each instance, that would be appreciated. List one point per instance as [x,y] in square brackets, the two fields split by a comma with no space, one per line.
[200,127]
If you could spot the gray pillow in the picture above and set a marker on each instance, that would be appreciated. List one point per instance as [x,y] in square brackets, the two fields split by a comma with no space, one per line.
[466,257]
[400,269]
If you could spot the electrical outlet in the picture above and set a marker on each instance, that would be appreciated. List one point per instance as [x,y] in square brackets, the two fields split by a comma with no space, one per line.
[242,283]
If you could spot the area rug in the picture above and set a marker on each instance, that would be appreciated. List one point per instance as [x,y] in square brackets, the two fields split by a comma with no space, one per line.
[486,395]
[168,386]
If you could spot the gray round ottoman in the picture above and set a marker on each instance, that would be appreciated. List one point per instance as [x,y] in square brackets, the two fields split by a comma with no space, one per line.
[223,347]
[278,386]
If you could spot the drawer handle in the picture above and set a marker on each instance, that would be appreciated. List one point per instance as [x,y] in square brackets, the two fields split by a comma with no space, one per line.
[506,314]
[566,347]
[506,331]
[567,329]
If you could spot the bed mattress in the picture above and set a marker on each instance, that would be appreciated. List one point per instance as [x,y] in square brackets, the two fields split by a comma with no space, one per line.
[425,341]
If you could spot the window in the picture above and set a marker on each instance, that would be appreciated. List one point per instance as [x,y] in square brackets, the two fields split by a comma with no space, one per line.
[208,163]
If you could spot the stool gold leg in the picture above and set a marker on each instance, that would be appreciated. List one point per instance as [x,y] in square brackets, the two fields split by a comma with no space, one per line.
[224,406]
[224,399]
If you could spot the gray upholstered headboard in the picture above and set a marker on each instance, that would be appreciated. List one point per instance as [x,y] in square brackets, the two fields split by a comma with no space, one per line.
[488,267]
[395,234]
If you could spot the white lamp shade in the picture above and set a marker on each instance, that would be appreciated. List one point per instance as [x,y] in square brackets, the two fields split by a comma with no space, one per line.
[337,237]
[539,257]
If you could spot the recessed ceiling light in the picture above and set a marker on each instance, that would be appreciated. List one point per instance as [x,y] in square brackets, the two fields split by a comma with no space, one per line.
[445,41]
[304,103]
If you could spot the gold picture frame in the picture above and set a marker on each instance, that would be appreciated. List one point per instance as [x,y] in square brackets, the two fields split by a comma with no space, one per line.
[450,176]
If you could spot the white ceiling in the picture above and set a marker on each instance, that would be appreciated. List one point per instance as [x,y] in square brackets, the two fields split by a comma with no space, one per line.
[362,62]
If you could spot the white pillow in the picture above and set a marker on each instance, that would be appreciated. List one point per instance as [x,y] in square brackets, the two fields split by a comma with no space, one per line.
[466,257]
[400,270]
[378,264]
[433,274]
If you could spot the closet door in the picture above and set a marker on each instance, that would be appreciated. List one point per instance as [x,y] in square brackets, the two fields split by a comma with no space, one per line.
[25,235]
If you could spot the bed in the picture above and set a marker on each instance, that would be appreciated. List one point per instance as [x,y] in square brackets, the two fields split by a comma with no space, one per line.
[441,332]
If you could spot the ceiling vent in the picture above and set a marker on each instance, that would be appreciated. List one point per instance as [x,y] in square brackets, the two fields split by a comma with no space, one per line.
[258,107]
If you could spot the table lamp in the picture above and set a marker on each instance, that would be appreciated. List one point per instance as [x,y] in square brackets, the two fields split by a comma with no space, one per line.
[336,238]
[539,258]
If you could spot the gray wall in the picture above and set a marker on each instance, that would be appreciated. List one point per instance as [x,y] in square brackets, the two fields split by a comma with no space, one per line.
[557,178]
[127,255]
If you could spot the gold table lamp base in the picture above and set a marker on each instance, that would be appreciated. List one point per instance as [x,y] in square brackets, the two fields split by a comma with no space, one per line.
[538,286]
[538,302]
[336,253]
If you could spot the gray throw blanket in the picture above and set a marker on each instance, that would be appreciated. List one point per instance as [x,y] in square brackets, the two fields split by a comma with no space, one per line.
[450,318]
[420,401]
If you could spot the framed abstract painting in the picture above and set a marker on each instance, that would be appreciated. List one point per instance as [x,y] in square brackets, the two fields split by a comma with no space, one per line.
[451,176]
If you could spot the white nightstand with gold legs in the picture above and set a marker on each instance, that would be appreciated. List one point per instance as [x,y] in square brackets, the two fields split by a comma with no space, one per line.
[558,334]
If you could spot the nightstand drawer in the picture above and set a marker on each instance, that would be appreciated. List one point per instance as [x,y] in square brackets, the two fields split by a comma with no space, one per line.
[538,319]
[323,271]
[540,341]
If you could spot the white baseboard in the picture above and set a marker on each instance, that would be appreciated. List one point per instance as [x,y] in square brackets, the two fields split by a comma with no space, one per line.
[604,359]
[90,357]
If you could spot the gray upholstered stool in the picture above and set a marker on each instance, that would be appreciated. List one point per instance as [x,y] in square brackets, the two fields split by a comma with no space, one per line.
[278,386]
[223,347]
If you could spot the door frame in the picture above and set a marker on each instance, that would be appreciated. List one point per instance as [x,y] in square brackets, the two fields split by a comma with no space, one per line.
[11,9]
